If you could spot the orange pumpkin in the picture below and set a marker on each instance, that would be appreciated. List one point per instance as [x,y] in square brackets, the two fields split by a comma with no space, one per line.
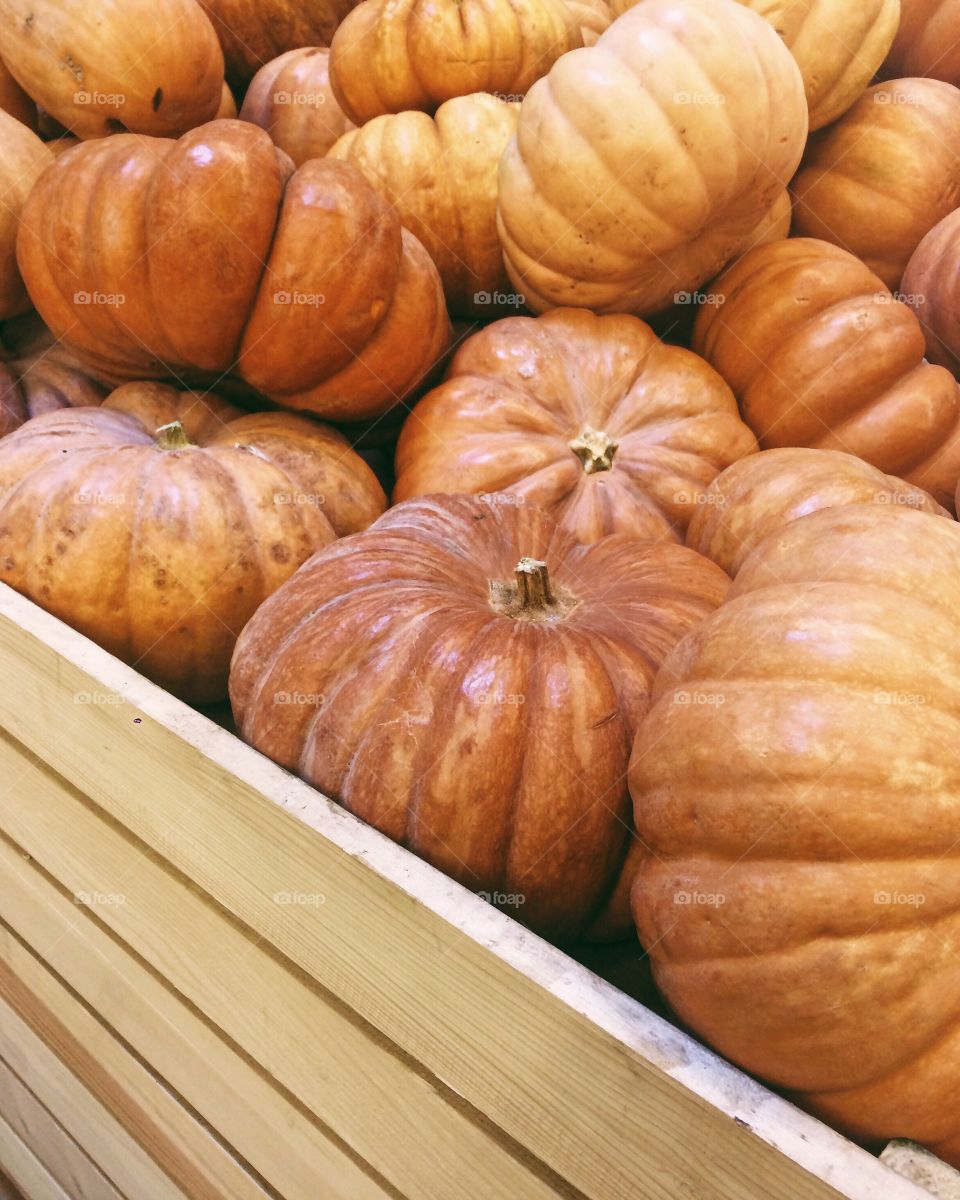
[626,185]
[207,255]
[38,375]
[795,785]
[467,678]
[898,142]
[820,354]
[440,176]
[927,41]
[15,101]
[292,100]
[930,287]
[591,418]
[389,56]
[150,66]
[158,523]
[23,159]
[757,496]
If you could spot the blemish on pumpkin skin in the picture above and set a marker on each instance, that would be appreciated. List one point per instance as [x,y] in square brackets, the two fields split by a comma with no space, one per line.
[279,553]
[28,24]
[157,99]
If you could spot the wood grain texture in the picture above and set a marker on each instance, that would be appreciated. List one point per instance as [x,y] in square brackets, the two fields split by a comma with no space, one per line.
[31,1178]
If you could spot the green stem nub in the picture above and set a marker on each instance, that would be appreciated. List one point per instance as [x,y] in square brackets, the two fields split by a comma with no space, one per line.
[172,437]
[594,449]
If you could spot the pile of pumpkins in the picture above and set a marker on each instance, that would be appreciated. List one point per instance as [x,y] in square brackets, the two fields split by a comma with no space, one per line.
[648,315]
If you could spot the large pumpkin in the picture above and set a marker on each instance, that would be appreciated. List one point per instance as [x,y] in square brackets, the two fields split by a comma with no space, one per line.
[931,286]
[158,523]
[592,418]
[150,66]
[440,175]
[884,174]
[797,790]
[927,42]
[389,56]
[759,495]
[23,159]
[820,354]
[630,178]
[292,100]
[468,679]
[207,255]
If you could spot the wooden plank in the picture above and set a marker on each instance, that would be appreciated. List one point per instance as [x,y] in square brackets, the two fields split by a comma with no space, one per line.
[610,1096]
[279,1140]
[183,1149]
[358,1086]
[31,1178]
[69,1165]
[923,1168]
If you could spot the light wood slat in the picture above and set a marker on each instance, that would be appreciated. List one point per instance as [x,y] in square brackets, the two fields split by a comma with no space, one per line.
[923,1168]
[87,1121]
[26,1172]
[69,1165]
[610,1096]
[278,1140]
[394,1118]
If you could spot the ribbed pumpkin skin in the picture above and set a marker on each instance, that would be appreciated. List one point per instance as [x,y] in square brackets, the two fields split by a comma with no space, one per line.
[23,159]
[838,46]
[305,284]
[884,174]
[292,100]
[440,176]
[757,496]
[818,353]
[684,182]
[931,286]
[492,745]
[150,66]
[927,42]
[802,812]
[519,392]
[41,382]
[123,540]
[390,56]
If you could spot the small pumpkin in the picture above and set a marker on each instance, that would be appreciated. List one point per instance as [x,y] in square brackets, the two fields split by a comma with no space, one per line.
[389,56]
[23,159]
[795,786]
[819,353]
[467,678]
[210,254]
[757,496]
[625,185]
[930,287]
[157,523]
[591,418]
[37,375]
[440,175]
[927,41]
[292,100]
[897,141]
[150,66]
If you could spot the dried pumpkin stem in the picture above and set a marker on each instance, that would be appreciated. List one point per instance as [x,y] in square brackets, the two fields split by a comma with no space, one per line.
[172,436]
[533,584]
[595,449]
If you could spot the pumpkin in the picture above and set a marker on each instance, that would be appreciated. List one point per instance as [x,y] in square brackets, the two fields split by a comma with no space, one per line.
[466,678]
[930,288]
[206,255]
[228,106]
[796,789]
[157,523]
[897,142]
[150,66]
[593,17]
[440,176]
[389,56]
[37,375]
[820,354]
[626,184]
[591,418]
[15,101]
[255,32]
[757,496]
[292,100]
[23,159]
[927,41]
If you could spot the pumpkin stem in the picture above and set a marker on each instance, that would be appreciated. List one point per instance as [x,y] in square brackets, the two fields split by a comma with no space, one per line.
[172,437]
[533,584]
[594,449]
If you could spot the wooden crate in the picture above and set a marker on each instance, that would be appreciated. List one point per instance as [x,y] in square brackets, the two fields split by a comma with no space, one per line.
[216,984]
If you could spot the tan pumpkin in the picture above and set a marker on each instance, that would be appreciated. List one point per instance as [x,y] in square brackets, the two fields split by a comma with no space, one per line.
[593,16]
[591,418]
[292,100]
[819,353]
[467,678]
[440,176]
[796,787]
[209,255]
[930,287]
[157,523]
[23,159]
[625,186]
[884,174]
[389,56]
[150,66]
[15,101]
[757,496]
[927,41]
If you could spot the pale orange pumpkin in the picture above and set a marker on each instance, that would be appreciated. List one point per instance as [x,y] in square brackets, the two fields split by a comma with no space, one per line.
[593,16]
[15,101]
[927,41]
[930,287]
[469,679]
[23,159]
[39,375]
